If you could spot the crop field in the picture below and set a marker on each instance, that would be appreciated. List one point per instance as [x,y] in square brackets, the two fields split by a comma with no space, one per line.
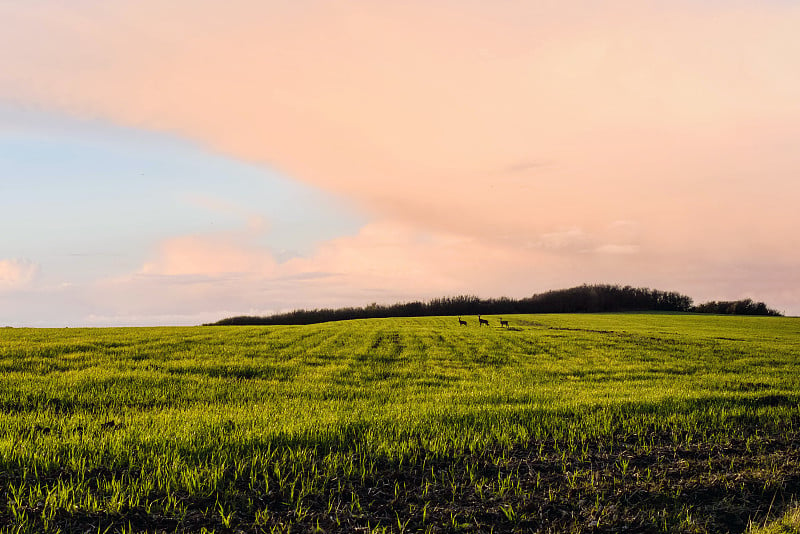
[558,423]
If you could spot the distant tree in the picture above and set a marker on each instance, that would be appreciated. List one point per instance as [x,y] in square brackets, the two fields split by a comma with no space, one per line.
[736,307]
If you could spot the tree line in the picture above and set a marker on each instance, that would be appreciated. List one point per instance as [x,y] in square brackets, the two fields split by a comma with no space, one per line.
[581,299]
[736,307]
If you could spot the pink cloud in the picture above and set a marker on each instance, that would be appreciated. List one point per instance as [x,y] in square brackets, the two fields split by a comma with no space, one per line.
[411,110]
[207,255]
[17,273]
[389,260]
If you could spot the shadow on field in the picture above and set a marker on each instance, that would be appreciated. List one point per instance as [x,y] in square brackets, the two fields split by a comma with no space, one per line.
[635,467]
[239,371]
[664,477]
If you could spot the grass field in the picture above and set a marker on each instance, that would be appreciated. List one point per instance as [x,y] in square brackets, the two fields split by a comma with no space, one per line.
[560,423]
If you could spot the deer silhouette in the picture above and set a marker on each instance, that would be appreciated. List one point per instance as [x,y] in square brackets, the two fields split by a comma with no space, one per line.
[503,323]
[460,322]
[482,322]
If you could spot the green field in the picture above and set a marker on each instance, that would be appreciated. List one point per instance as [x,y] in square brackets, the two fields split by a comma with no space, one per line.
[561,423]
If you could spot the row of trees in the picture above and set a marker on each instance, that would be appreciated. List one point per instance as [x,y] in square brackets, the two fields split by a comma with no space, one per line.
[736,307]
[581,299]
[585,298]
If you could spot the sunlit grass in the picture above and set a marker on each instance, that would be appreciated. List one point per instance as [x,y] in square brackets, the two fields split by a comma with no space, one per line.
[166,429]
[789,523]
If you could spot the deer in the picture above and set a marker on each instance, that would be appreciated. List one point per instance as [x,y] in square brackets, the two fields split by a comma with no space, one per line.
[503,323]
[460,322]
[482,322]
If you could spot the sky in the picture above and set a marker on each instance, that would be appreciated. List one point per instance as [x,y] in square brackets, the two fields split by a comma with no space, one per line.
[174,163]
